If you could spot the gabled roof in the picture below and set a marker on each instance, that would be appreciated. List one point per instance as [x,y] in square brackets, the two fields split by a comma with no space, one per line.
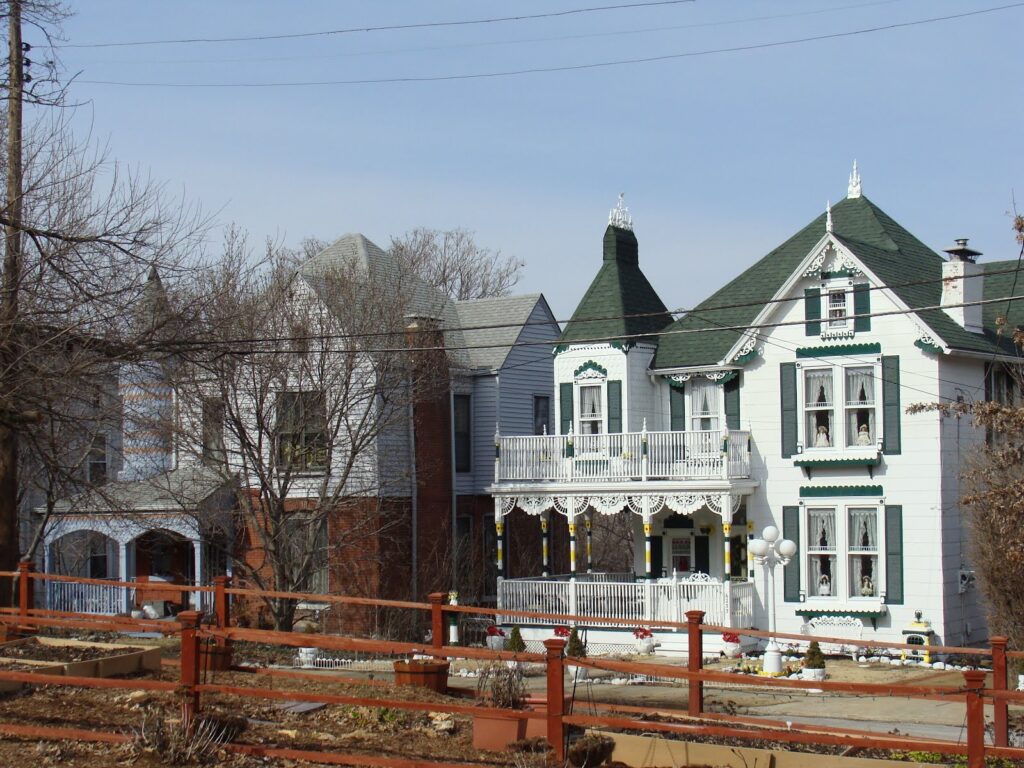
[620,301]
[490,327]
[888,250]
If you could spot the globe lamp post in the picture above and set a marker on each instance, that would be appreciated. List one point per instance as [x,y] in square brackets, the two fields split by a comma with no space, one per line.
[770,551]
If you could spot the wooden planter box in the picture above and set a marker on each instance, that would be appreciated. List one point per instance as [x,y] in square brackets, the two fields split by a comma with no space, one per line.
[493,733]
[120,661]
[423,674]
[215,657]
[642,751]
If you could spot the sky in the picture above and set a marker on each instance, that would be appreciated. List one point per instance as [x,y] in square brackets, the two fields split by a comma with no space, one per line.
[721,154]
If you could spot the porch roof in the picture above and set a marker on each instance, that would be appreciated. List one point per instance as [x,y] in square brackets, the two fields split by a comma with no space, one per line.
[179,490]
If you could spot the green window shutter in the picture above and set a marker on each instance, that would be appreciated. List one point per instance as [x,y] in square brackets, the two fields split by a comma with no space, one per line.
[812,311]
[565,395]
[614,407]
[677,407]
[787,384]
[890,404]
[791,576]
[894,555]
[732,402]
[861,306]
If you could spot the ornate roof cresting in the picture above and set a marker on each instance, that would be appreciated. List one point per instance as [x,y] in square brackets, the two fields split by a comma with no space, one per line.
[828,217]
[854,189]
[619,215]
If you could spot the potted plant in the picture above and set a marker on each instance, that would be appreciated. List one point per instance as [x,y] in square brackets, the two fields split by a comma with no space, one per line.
[575,649]
[495,638]
[515,643]
[731,648]
[502,688]
[814,663]
[644,640]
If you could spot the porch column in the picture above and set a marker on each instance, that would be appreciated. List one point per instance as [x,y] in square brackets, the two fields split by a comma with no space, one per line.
[545,540]
[499,529]
[572,547]
[197,576]
[726,502]
[122,574]
[648,526]
[589,522]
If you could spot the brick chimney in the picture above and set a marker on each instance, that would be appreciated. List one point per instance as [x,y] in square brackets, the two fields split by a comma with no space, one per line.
[962,283]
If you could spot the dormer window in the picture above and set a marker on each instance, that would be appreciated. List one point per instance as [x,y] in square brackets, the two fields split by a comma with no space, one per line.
[591,414]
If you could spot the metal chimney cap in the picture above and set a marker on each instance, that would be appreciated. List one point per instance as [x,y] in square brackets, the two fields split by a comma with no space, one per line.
[961,252]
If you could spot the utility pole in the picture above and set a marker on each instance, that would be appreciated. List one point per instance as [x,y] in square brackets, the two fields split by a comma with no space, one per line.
[9,545]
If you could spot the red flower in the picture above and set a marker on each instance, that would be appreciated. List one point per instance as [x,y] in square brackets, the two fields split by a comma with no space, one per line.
[642,633]
[730,637]
[561,631]
[495,631]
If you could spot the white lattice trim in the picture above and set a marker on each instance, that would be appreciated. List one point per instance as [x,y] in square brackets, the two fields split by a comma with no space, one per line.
[570,506]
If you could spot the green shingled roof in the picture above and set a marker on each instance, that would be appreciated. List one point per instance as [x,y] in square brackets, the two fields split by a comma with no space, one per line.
[884,247]
[620,301]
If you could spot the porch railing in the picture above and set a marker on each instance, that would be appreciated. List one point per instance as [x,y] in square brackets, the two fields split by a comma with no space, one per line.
[100,599]
[728,604]
[628,456]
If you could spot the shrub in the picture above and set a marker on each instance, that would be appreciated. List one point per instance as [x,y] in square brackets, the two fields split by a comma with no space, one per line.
[516,644]
[502,685]
[592,750]
[575,646]
[814,658]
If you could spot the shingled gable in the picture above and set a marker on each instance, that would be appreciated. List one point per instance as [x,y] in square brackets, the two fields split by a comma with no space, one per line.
[884,247]
[620,302]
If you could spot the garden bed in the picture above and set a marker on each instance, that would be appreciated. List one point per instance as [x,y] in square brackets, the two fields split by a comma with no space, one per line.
[78,658]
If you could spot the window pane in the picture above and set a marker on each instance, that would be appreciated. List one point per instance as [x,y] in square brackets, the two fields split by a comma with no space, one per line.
[704,405]
[863,530]
[821,530]
[541,415]
[863,575]
[822,570]
[590,402]
[837,309]
[818,389]
[860,426]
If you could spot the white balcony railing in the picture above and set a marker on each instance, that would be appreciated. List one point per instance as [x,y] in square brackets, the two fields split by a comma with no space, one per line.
[101,599]
[728,604]
[621,457]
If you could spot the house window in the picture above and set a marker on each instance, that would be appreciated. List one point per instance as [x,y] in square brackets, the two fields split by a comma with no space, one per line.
[682,554]
[837,309]
[541,414]
[704,416]
[591,416]
[97,461]
[463,428]
[213,430]
[819,408]
[306,535]
[860,406]
[863,551]
[301,430]
[821,551]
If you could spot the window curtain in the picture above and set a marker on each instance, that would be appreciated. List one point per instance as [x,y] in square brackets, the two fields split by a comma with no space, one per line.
[590,402]
[821,530]
[863,576]
[860,386]
[818,389]
[863,530]
[705,406]
[822,573]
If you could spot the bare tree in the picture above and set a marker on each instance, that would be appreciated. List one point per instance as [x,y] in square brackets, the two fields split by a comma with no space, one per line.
[307,374]
[453,262]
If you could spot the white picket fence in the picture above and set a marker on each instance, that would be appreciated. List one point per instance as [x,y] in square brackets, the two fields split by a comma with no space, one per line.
[627,456]
[101,599]
[643,602]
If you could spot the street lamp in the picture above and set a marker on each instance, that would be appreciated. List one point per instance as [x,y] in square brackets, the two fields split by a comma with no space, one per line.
[770,551]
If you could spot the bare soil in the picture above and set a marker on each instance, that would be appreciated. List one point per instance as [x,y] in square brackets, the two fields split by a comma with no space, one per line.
[33,650]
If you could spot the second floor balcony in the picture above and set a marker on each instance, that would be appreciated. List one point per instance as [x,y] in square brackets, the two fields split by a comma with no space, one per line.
[625,457]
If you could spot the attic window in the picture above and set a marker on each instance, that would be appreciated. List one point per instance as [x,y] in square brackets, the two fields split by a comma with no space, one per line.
[837,309]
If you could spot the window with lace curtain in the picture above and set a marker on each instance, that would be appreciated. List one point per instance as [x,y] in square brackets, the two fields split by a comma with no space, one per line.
[704,408]
[863,551]
[819,408]
[591,416]
[842,552]
[860,406]
[840,406]
[821,551]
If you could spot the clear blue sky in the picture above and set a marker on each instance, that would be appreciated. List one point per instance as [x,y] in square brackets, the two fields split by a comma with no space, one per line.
[721,156]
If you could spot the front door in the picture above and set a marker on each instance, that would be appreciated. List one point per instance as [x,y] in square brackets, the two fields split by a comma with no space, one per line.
[701,554]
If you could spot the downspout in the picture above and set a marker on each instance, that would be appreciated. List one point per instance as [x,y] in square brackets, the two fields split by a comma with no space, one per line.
[414,497]
[454,491]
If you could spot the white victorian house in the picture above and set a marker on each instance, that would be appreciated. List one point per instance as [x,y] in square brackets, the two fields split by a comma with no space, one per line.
[780,400]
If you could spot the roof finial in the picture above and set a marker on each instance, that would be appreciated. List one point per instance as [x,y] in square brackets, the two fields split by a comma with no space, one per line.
[854,189]
[828,217]
[619,215]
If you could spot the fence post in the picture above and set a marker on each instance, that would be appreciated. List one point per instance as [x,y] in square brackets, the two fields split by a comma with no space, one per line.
[189,667]
[555,649]
[24,588]
[222,619]
[695,649]
[436,618]
[974,684]
[1000,706]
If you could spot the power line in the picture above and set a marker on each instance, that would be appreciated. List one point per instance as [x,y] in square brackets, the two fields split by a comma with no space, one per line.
[496,43]
[564,68]
[381,28]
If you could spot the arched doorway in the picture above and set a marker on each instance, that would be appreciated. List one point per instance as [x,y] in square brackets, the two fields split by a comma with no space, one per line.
[162,557]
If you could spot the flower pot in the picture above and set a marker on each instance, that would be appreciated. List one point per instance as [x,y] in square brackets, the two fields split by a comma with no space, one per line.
[645,646]
[816,675]
[731,650]
[576,672]
[496,642]
[423,674]
[494,733]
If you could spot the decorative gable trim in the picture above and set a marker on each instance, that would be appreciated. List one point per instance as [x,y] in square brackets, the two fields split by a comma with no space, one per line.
[926,342]
[622,346]
[840,349]
[832,259]
[590,370]
[748,351]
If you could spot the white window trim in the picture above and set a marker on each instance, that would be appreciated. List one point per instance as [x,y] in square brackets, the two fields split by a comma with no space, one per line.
[841,597]
[690,407]
[805,443]
[845,331]
[591,380]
